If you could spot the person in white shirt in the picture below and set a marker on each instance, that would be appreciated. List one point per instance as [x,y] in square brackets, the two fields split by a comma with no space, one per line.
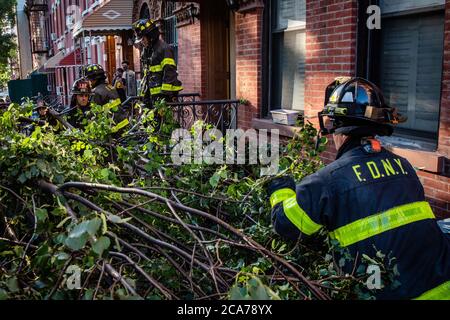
[130,79]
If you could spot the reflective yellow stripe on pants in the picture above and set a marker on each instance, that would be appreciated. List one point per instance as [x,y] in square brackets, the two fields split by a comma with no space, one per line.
[155,90]
[170,87]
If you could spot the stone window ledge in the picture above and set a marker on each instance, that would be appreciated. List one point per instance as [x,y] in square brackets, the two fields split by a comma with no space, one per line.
[285,131]
[430,161]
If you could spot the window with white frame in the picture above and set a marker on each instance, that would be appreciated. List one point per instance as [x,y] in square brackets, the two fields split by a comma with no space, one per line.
[287,84]
[410,63]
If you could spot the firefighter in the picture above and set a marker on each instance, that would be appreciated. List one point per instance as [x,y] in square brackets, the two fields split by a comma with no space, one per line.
[120,84]
[160,79]
[369,200]
[79,105]
[103,92]
[41,116]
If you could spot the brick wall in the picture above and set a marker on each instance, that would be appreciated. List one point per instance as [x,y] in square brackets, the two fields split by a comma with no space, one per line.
[331,30]
[330,48]
[331,27]
[189,58]
[331,51]
[437,187]
[249,65]
[444,127]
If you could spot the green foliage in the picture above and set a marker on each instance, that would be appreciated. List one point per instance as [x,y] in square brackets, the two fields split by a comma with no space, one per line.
[108,152]
[7,39]
[5,75]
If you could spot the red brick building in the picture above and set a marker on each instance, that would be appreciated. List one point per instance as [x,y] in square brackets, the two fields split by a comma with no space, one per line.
[283,53]
[79,32]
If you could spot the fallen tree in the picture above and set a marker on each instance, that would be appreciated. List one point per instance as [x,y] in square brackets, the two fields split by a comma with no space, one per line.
[107,203]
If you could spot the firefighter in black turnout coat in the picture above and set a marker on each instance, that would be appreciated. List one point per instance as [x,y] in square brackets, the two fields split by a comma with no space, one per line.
[369,200]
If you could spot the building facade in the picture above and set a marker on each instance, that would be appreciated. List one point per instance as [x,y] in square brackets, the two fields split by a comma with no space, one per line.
[283,53]
[57,37]
[87,31]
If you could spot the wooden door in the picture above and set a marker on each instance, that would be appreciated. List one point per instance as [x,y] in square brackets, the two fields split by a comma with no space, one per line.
[216,35]
[110,49]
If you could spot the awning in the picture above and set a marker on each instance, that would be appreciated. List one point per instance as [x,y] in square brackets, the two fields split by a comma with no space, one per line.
[108,18]
[72,59]
[54,61]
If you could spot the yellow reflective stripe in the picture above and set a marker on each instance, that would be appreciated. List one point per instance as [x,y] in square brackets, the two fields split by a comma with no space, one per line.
[168,61]
[298,217]
[441,292]
[155,90]
[170,87]
[156,68]
[112,104]
[160,67]
[120,125]
[371,226]
[281,195]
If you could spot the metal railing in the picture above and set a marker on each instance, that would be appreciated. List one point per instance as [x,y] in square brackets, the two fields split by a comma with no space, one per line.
[188,97]
[222,114]
[36,5]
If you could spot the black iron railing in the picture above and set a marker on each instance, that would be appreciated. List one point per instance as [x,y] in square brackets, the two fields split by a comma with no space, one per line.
[36,5]
[187,97]
[222,114]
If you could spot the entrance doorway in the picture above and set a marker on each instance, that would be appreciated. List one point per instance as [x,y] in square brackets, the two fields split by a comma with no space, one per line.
[215,33]
[110,50]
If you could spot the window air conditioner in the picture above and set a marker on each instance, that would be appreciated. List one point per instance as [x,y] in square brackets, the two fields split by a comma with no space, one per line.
[69,21]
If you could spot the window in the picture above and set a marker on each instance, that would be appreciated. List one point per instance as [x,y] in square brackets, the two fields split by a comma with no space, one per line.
[410,63]
[287,78]
[170,26]
[144,12]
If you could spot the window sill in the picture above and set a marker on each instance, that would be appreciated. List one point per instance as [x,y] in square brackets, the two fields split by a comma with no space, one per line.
[285,131]
[430,161]
[422,160]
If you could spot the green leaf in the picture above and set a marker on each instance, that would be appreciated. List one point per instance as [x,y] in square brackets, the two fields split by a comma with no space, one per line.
[13,284]
[104,174]
[116,219]
[104,224]
[63,222]
[76,243]
[3,294]
[214,180]
[101,245]
[93,226]
[62,256]
[90,227]
[237,294]
[41,215]
[89,294]
[22,178]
